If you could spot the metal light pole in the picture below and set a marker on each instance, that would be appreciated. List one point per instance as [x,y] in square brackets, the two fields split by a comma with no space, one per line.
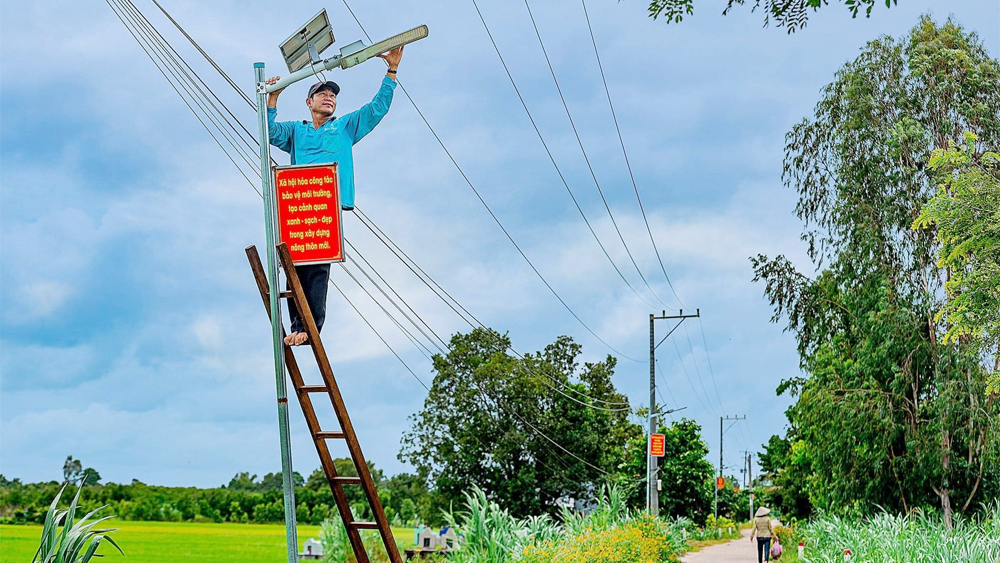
[270,231]
[351,55]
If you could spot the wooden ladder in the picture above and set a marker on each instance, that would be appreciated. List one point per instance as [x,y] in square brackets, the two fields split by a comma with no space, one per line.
[320,436]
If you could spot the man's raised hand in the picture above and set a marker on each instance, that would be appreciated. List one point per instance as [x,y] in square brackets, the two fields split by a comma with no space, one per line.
[272,99]
[392,57]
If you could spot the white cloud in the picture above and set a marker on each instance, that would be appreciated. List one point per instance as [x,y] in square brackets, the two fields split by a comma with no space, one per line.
[128,303]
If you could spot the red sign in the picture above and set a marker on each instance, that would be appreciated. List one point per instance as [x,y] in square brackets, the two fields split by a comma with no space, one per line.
[720,482]
[657,445]
[309,219]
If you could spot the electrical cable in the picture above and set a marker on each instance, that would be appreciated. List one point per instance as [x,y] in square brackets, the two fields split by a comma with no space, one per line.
[586,158]
[154,35]
[176,77]
[709,358]
[394,304]
[688,377]
[701,379]
[208,58]
[625,153]
[400,254]
[121,17]
[490,211]
[552,158]
[387,345]
[420,346]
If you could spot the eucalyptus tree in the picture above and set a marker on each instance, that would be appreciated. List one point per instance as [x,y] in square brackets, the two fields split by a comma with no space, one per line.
[887,411]
[965,212]
[790,14]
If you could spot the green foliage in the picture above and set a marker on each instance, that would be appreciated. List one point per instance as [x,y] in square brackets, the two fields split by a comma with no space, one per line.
[610,533]
[791,14]
[686,476]
[888,413]
[640,539]
[492,534]
[787,469]
[479,420]
[78,541]
[965,213]
[916,538]
[245,499]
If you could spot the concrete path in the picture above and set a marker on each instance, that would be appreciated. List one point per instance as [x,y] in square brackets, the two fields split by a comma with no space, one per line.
[736,551]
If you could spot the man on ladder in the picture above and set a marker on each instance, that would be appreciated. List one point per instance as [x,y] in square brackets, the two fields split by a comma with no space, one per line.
[327,140]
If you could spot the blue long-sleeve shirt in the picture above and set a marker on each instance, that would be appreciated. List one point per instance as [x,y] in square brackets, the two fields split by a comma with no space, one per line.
[331,142]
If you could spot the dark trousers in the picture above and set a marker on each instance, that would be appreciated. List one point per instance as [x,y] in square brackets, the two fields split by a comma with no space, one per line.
[763,549]
[315,281]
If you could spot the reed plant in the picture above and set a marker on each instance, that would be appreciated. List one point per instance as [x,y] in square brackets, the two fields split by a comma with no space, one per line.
[77,541]
[611,533]
[916,538]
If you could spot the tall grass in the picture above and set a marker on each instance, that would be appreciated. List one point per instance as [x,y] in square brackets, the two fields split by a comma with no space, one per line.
[76,542]
[492,535]
[610,532]
[918,538]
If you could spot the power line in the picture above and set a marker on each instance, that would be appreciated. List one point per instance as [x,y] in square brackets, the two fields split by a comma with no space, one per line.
[440,292]
[708,357]
[628,164]
[690,382]
[387,345]
[493,215]
[701,380]
[176,77]
[490,211]
[586,158]
[552,158]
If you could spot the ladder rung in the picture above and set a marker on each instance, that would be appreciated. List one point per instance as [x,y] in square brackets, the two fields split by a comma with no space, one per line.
[347,480]
[285,295]
[314,389]
[330,435]
[364,525]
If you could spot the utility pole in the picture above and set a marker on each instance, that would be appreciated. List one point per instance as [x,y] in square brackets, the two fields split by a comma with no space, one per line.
[652,491]
[721,420]
[750,474]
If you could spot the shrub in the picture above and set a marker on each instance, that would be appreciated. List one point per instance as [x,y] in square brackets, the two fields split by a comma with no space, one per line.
[642,540]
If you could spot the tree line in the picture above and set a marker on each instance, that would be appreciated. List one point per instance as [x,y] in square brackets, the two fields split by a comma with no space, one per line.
[532,432]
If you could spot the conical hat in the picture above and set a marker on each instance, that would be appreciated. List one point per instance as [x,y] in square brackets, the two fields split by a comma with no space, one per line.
[762,511]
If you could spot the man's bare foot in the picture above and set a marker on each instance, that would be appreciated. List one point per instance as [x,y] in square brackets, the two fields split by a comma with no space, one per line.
[290,339]
[300,339]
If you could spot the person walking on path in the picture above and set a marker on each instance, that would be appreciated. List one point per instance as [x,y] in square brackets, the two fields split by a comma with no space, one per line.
[323,140]
[764,532]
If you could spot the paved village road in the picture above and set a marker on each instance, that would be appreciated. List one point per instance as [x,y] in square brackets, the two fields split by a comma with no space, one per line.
[736,551]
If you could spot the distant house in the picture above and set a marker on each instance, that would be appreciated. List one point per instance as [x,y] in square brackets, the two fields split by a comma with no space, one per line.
[427,541]
[311,549]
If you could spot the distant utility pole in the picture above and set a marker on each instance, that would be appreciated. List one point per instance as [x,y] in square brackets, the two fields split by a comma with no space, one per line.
[721,420]
[652,491]
[750,477]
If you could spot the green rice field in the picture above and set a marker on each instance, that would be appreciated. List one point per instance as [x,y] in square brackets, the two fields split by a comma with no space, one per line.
[169,542]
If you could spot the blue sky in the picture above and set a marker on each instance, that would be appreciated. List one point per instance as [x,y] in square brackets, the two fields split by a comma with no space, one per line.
[131,334]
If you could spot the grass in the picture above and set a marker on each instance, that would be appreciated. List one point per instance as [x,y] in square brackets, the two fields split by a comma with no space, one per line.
[169,542]
[917,538]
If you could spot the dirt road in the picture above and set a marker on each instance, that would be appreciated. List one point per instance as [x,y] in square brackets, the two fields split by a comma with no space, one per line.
[736,551]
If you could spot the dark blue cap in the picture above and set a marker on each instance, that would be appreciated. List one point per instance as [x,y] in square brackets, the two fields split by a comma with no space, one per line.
[330,84]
